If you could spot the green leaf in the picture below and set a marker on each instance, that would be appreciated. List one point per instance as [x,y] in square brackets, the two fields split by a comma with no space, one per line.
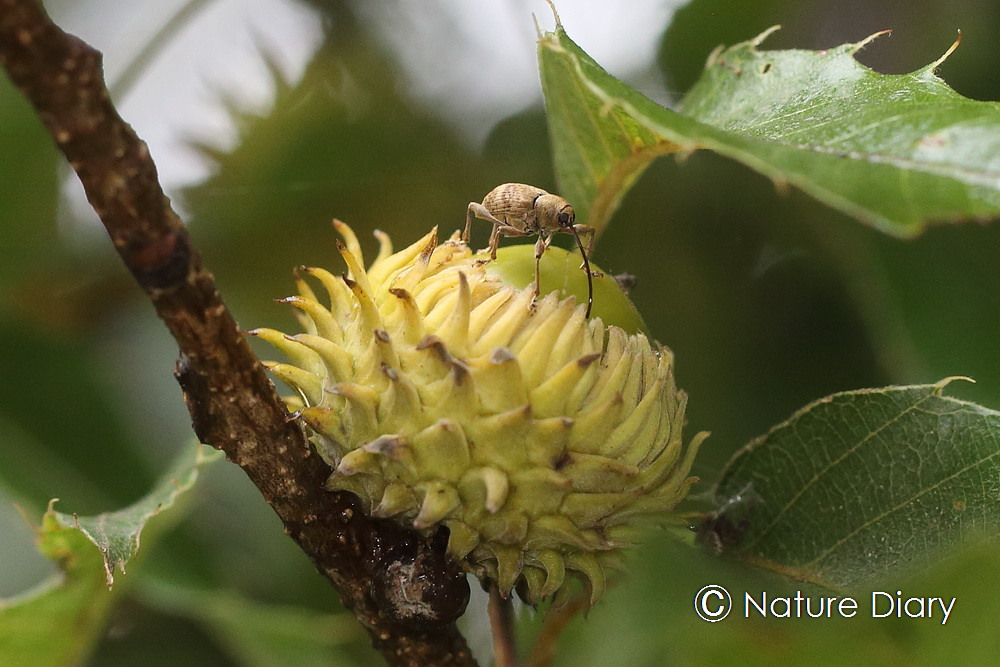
[255,633]
[864,483]
[116,534]
[894,151]
[599,147]
[58,622]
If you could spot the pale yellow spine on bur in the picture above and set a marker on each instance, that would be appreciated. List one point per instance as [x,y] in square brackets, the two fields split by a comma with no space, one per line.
[441,397]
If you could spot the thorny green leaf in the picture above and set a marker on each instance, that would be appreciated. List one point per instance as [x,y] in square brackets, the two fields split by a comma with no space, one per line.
[116,534]
[58,622]
[894,151]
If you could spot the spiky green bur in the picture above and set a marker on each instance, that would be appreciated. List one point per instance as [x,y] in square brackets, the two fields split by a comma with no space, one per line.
[441,397]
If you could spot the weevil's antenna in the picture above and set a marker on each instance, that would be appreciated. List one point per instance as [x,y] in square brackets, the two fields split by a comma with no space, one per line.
[590,276]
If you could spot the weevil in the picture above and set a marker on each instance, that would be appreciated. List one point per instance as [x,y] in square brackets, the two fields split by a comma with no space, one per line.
[516,209]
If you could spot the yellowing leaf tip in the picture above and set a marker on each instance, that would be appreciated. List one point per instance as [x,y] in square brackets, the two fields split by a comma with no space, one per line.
[555,14]
[952,378]
[868,40]
[759,39]
[951,49]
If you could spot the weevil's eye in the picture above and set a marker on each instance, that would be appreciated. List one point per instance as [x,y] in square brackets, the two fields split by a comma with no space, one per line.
[563,218]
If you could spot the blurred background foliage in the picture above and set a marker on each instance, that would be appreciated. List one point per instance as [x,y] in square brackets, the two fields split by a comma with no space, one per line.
[768,300]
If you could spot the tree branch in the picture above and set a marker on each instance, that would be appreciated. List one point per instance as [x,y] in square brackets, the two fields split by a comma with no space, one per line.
[233,405]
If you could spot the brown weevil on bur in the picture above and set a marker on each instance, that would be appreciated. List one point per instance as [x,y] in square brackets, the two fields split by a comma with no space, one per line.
[516,209]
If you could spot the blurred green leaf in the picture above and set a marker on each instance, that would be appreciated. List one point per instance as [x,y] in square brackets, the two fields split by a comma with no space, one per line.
[28,185]
[649,620]
[261,634]
[894,151]
[57,414]
[865,483]
[971,635]
[59,622]
[927,323]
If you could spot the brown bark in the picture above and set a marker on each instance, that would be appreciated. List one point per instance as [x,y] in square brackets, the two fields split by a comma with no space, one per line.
[233,405]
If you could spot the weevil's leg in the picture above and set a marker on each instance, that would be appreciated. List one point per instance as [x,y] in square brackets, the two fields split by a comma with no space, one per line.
[498,230]
[494,241]
[540,245]
[591,233]
[506,230]
[481,212]
[468,222]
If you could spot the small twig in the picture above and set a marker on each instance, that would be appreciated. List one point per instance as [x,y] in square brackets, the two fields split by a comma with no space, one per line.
[556,621]
[502,626]
[233,405]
